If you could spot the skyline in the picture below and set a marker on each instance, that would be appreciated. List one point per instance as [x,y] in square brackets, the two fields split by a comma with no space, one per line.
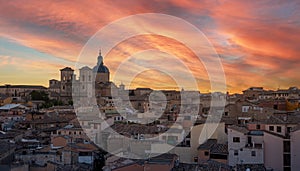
[257,40]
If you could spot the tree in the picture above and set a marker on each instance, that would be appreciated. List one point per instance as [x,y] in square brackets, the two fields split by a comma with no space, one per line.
[99,161]
[70,102]
[39,95]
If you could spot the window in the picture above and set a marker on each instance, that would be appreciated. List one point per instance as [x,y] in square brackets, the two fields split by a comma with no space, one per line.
[278,128]
[287,159]
[287,168]
[289,129]
[206,153]
[253,153]
[218,156]
[196,159]
[226,113]
[236,152]
[236,139]
[271,128]
[258,126]
[287,146]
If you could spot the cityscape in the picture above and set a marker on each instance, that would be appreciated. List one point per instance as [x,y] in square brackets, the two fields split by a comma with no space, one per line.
[41,130]
[208,85]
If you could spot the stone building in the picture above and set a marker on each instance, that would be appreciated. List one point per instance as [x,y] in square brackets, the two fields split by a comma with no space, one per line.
[92,82]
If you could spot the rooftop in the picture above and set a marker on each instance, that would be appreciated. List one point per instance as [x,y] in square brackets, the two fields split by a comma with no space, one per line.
[243,130]
[23,86]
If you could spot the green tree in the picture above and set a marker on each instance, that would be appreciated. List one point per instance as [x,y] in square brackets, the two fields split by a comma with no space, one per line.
[39,95]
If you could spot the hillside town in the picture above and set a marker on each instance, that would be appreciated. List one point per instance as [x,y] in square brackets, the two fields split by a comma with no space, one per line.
[59,127]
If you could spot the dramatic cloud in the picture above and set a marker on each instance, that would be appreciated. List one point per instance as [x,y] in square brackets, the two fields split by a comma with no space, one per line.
[258,41]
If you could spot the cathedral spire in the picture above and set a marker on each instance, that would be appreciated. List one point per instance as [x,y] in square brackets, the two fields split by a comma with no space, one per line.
[100,58]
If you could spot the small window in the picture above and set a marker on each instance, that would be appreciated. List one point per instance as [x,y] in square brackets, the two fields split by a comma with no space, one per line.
[271,128]
[206,153]
[196,159]
[258,126]
[253,153]
[236,139]
[278,128]
[287,146]
[226,113]
[236,152]
[289,129]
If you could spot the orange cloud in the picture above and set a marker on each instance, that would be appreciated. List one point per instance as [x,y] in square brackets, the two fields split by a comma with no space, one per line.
[258,41]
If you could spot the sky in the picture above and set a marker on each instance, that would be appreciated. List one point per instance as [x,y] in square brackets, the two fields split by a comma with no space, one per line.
[258,42]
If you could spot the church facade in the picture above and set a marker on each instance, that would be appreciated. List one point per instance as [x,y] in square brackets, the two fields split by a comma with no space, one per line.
[91,83]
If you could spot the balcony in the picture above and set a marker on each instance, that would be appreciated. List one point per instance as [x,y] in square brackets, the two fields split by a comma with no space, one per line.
[254,145]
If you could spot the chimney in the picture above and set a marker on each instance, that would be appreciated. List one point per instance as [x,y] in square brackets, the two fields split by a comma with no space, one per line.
[285,118]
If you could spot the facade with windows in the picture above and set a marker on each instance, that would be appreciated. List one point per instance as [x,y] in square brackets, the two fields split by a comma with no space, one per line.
[280,158]
[244,146]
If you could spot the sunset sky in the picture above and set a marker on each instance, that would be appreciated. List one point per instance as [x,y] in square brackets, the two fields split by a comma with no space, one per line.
[258,41]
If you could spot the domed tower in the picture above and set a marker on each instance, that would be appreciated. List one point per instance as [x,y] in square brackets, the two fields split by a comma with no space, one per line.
[101,71]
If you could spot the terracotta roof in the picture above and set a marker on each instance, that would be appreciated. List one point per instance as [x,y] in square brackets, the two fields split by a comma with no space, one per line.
[208,144]
[243,130]
[219,149]
[24,86]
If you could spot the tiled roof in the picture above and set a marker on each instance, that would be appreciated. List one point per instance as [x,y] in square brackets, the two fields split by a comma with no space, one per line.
[23,86]
[214,147]
[208,144]
[67,69]
[219,149]
[239,129]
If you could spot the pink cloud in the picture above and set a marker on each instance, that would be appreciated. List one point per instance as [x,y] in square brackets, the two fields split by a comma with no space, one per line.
[257,41]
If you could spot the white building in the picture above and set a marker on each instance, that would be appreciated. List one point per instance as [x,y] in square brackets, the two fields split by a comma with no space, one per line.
[295,149]
[244,146]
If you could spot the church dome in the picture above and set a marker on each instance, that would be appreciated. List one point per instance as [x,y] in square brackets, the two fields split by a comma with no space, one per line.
[100,67]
